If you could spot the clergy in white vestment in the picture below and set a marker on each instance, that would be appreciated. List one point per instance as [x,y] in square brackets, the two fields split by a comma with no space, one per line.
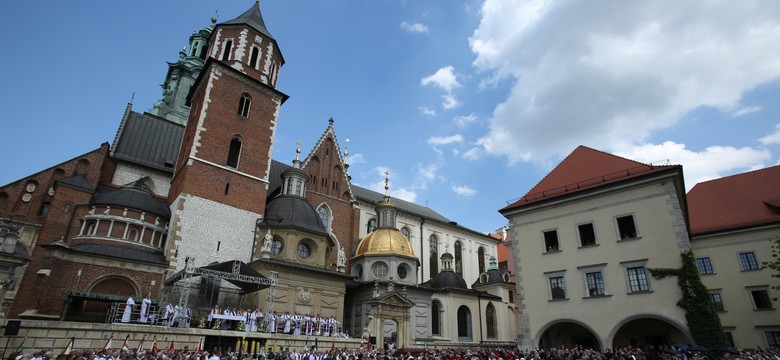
[128,309]
[271,318]
[168,315]
[145,305]
[286,320]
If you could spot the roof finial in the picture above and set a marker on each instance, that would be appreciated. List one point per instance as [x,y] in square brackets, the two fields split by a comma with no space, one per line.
[330,121]
[214,18]
[387,182]
[298,150]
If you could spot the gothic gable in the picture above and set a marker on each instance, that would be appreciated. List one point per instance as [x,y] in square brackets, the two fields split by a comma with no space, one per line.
[327,168]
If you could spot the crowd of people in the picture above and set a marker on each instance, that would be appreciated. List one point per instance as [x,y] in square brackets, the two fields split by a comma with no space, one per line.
[273,322]
[366,353]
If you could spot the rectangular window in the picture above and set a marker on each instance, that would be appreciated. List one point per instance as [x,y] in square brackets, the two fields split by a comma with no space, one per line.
[595,282]
[705,265]
[587,234]
[637,280]
[551,241]
[761,299]
[747,260]
[717,301]
[511,296]
[557,288]
[626,227]
[772,338]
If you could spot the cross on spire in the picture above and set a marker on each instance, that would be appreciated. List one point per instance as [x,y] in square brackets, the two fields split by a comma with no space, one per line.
[387,182]
[298,150]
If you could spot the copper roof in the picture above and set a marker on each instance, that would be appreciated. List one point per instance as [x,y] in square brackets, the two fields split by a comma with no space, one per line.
[736,201]
[585,168]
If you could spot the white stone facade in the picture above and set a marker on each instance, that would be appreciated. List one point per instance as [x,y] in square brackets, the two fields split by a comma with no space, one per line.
[209,232]
[127,173]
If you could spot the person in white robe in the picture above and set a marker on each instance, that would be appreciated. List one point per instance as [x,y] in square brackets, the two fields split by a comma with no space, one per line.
[146,303]
[214,311]
[168,315]
[272,322]
[297,319]
[286,320]
[128,309]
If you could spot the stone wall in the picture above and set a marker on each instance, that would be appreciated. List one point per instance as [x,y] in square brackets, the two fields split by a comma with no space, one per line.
[38,334]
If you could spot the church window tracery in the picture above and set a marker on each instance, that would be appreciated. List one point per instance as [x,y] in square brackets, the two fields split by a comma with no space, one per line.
[433,243]
[458,258]
[324,214]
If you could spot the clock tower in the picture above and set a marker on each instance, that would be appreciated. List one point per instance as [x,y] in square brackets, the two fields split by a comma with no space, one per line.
[220,181]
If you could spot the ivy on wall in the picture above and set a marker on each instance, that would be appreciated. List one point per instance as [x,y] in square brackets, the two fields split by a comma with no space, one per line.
[700,314]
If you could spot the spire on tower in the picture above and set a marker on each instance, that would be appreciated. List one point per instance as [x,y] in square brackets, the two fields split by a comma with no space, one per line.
[387,182]
[298,150]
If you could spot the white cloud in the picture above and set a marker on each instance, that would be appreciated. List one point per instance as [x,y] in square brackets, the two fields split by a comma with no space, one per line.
[711,163]
[395,190]
[450,102]
[628,70]
[465,120]
[428,172]
[745,110]
[463,190]
[444,78]
[414,27]
[444,140]
[474,153]
[427,111]
[773,138]
[355,159]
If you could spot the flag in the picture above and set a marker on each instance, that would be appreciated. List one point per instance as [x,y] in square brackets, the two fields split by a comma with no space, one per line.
[108,345]
[154,345]
[20,349]
[69,347]
[141,345]
[126,345]
[200,345]
[170,348]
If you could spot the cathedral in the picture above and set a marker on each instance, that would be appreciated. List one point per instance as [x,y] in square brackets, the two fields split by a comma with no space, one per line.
[193,184]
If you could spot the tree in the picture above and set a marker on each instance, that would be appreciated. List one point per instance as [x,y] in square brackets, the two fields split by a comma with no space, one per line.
[775,263]
[700,314]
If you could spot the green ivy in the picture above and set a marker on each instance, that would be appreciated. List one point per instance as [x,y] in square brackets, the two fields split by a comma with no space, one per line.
[774,265]
[703,320]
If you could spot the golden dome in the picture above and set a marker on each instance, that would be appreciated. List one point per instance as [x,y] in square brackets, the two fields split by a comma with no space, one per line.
[385,241]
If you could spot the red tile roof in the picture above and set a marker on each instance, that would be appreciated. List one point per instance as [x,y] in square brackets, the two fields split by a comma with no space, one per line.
[747,199]
[585,168]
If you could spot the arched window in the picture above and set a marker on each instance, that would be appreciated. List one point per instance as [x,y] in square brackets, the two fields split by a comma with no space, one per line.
[276,247]
[490,320]
[371,225]
[235,152]
[253,58]
[380,270]
[324,214]
[464,323]
[243,105]
[203,50]
[226,52]
[304,251]
[458,258]
[435,318]
[481,259]
[407,233]
[433,259]
[132,234]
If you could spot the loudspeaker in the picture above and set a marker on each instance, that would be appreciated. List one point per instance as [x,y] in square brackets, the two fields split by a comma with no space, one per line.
[12,327]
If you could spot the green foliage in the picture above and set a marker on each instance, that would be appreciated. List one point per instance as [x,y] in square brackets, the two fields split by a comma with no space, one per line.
[775,263]
[700,314]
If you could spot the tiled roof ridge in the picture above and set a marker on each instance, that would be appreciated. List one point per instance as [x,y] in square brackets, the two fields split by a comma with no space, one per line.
[584,183]
[749,172]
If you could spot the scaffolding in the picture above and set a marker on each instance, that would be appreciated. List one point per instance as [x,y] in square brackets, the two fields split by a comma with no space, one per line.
[178,287]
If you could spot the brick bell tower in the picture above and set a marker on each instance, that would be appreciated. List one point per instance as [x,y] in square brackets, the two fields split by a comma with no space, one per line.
[220,182]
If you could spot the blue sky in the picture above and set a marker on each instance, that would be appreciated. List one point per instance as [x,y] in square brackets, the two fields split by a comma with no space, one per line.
[468,104]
